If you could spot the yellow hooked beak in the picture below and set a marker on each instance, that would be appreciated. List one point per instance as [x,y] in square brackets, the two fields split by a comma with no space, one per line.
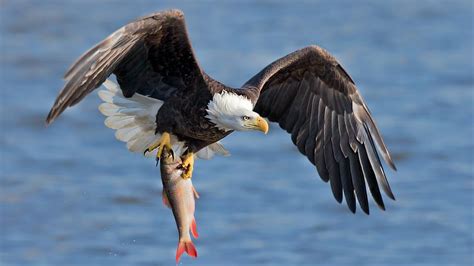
[259,124]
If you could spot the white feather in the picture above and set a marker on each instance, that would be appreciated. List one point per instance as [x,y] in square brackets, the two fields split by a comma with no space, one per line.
[119,121]
[106,96]
[179,148]
[127,133]
[108,109]
[141,143]
[111,86]
[208,152]
[218,148]
[205,153]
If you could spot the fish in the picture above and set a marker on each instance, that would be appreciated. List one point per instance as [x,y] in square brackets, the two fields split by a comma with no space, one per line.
[179,194]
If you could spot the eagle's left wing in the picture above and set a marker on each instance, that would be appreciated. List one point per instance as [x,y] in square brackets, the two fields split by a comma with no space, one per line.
[313,98]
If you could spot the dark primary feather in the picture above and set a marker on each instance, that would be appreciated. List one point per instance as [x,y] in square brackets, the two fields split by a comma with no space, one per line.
[315,100]
[151,56]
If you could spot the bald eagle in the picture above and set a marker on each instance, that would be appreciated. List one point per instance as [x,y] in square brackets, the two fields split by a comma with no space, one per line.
[164,100]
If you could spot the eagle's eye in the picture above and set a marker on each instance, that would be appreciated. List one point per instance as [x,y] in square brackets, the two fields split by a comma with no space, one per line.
[245,118]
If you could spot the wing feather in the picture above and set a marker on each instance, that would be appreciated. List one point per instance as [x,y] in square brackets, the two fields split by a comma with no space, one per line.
[313,128]
[336,137]
[344,139]
[300,112]
[377,166]
[319,160]
[369,176]
[332,165]
[348,187]
[358,182]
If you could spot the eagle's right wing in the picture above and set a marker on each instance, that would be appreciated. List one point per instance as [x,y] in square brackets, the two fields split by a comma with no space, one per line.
[151,56]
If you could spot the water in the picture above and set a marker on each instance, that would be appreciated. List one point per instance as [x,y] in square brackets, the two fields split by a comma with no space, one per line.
[71,194]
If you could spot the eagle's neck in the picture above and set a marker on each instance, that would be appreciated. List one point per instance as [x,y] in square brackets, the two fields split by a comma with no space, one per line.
[224,107]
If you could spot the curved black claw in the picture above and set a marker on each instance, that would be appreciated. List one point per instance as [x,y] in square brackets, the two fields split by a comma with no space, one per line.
[172,154]
[146,150]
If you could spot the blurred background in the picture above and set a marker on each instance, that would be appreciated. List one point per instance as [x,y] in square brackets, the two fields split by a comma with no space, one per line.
[71,194]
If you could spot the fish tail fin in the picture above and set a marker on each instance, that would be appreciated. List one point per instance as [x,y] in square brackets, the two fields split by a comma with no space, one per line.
[194,228]
[187,246]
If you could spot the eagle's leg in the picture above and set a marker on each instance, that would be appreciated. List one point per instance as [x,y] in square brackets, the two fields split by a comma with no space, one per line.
[187,164]
[163,143]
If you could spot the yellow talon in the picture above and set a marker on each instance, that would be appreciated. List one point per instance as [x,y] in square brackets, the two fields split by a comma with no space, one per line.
[162,143]
[188,165]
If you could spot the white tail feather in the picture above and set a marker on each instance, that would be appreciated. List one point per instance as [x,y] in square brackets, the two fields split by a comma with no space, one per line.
[134,121]
[133,118]
[126,134]
[119,121]
[142,143]
[209,151]
[111,86]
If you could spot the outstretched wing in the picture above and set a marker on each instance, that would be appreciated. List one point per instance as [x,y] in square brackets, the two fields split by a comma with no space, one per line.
[151,56]
[313,98]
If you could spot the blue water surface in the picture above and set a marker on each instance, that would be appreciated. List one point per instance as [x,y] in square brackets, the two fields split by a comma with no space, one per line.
[71,194]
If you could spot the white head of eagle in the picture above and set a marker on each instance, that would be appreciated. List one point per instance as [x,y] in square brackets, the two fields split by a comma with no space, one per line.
[229,111]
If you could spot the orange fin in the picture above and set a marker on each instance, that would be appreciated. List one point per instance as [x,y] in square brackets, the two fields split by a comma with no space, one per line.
[166,202]
[196,195]
[194,229]
[185,246]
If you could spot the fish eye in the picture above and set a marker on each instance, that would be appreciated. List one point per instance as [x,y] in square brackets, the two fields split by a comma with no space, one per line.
[245,118]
